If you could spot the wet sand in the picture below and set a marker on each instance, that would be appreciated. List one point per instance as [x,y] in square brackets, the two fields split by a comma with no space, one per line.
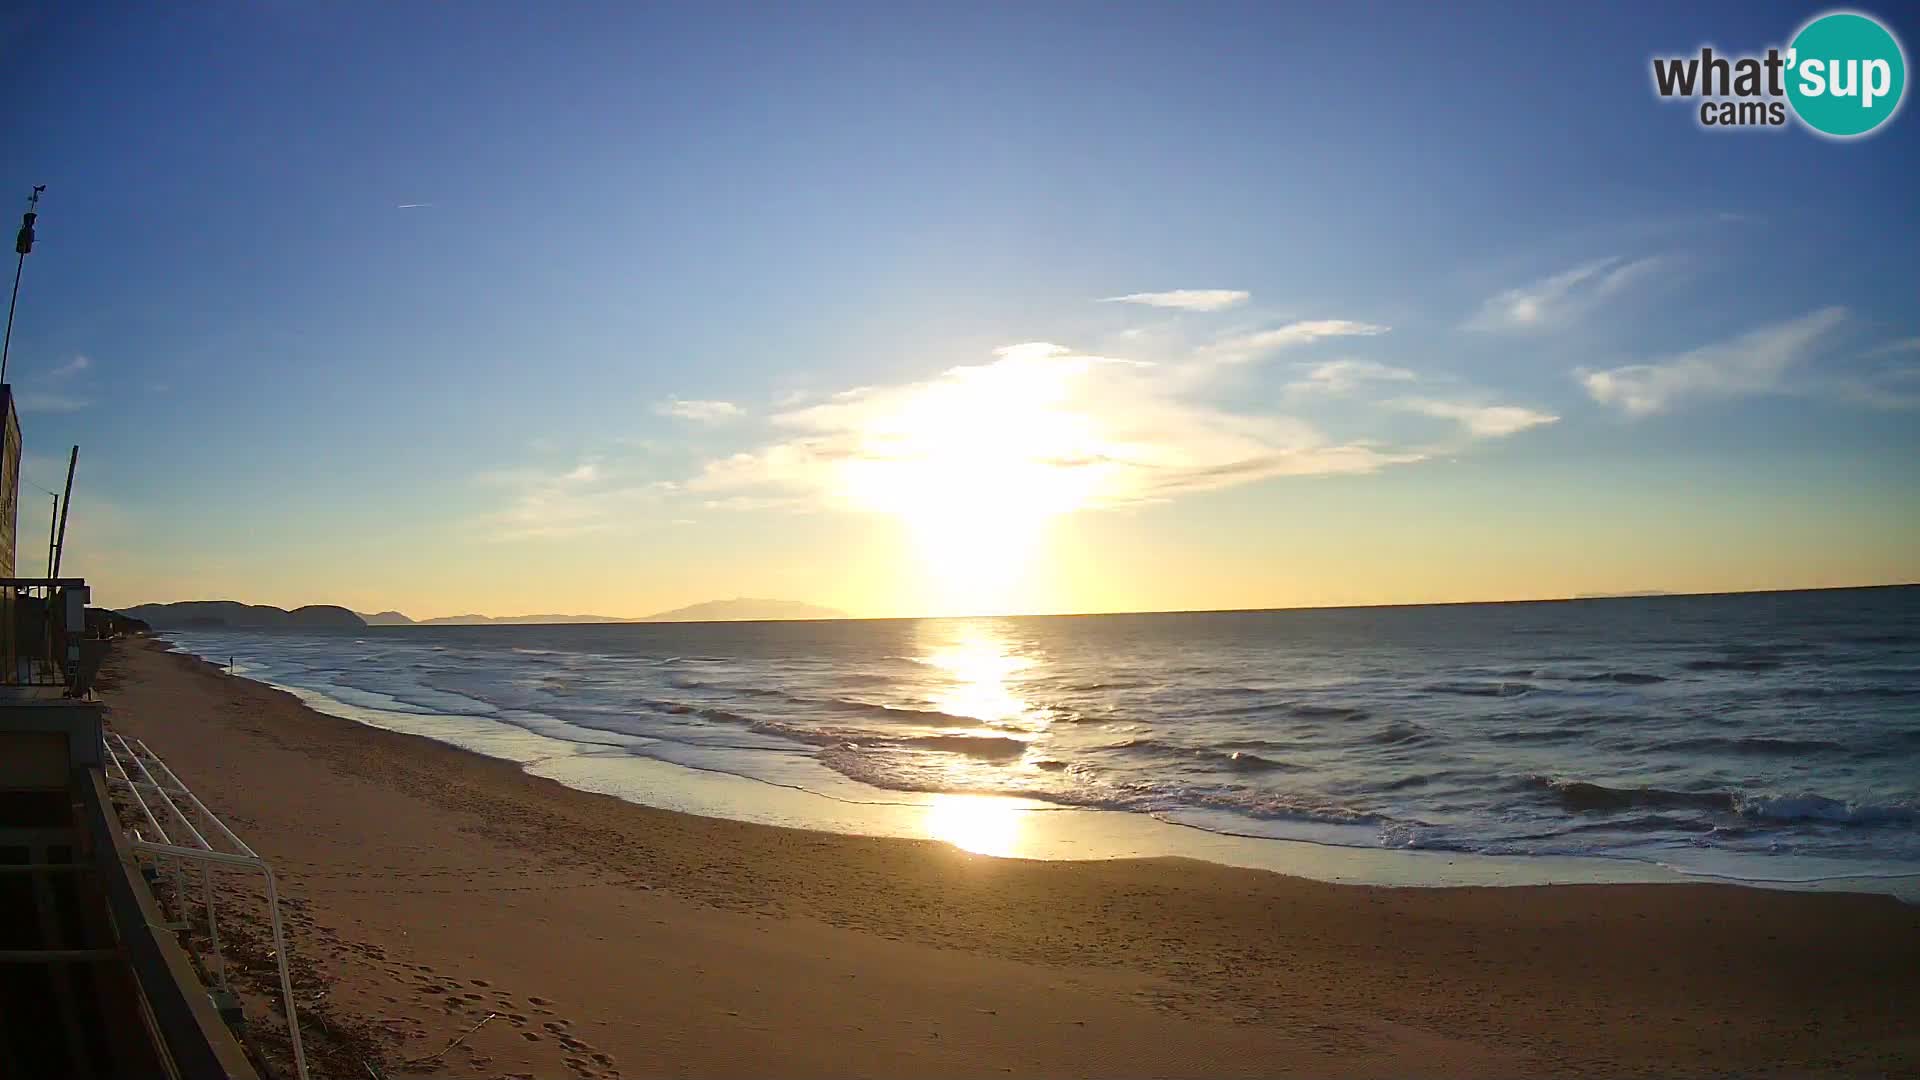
[428,887]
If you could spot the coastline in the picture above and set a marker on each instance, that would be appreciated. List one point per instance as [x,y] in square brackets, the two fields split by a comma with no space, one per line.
[818,798]
[670,942]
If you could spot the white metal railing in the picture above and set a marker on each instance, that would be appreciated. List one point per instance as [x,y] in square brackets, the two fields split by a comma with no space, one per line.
[191,845]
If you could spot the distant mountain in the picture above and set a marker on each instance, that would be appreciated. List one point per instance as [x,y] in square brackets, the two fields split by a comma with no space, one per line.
[736,610]
[743,609]
[489,620]
[1622,595]
[191,614]
[108,623]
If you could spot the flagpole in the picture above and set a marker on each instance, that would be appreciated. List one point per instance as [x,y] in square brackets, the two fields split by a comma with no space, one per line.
[23,243]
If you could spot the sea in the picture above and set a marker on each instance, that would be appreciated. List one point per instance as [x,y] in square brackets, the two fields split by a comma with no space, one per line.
[1763,737]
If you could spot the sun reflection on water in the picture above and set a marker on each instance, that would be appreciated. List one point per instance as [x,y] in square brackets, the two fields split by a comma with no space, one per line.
[979,662]
[982,824]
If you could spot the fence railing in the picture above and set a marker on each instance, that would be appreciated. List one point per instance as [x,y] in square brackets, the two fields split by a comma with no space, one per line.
[162,800]
[43,634]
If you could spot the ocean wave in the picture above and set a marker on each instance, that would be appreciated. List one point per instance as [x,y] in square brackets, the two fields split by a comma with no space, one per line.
[1878,639]
[1282,708]
[1748,745]
[1264,744]
[1823,693]
[1645,823]
[1624,678]
[988,747]
[900,713]
[1581,795]
[682,682]
[1810,807]
[1232,755]
[1560,734]
[1273,806]
[1749,664]
[1244,761]
[1481,689]
[1403,783]
[1397,734]
[1325,712]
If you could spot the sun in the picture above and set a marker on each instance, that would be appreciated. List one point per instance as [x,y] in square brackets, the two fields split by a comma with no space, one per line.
[976,465]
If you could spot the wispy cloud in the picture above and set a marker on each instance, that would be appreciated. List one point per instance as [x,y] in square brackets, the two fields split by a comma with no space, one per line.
[1561,298]
[1895,347]
[1338,377]
[413,205]
[1479,420]
[1890,388]
[703,412]
[71,368]
[52,391]
[587,498]
[1039,429]
[33,401]
[1756,362]
[1247,346]
[1185,299]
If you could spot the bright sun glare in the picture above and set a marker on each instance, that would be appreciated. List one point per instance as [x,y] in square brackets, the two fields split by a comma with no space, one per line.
[982,824]
[977,464]
[979,665]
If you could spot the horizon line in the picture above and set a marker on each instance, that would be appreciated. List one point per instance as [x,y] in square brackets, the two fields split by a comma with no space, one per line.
[612,620]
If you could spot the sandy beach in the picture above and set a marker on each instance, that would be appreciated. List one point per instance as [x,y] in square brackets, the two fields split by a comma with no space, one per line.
[429,887]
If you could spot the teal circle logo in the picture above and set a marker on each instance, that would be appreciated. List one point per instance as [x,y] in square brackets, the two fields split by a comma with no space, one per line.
[1846,74]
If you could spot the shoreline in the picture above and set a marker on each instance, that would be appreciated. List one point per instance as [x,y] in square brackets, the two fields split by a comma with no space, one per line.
[818,953]
[1032,828]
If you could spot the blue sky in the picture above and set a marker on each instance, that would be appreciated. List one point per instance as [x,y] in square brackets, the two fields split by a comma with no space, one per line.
[685,280]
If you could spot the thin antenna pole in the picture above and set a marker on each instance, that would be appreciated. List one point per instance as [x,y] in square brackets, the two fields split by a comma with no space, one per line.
[66,504]
[23,243]
[53,521]
[7,346]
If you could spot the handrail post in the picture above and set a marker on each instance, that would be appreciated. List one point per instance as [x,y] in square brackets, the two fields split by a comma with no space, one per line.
[208,857]
[286,975]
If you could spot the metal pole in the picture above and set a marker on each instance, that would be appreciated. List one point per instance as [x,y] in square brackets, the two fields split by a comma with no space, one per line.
[66,504]
[213,927]
[286,977]
[53,522]
[22,243]
[273,907]
[7,346]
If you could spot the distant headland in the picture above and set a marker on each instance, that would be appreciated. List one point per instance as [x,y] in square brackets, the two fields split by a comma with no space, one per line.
[218,614]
